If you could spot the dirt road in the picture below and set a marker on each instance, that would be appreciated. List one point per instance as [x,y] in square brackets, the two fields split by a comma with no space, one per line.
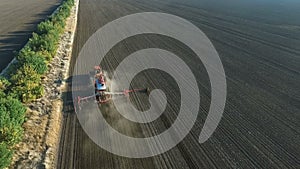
[260,53]
[19,19]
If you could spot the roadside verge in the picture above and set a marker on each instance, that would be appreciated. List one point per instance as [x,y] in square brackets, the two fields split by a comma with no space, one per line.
[39,145]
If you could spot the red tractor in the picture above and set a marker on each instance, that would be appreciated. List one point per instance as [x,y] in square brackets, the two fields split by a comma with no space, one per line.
[102,93]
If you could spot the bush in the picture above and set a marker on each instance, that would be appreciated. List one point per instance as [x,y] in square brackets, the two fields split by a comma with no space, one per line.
[26,84]
[12,113]
[22,80]
[5,155]
[11,133]
[45,27]
[2,94]
[28,92]
[35,59]
[58,20]
[4,84]
[47,55]
[14,109]
[24,74]
[47,42]
[65,10]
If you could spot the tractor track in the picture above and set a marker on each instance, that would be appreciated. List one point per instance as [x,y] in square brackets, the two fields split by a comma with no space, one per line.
[259,128]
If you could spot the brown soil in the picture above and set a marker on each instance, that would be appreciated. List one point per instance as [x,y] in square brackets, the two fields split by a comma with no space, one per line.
[260,126]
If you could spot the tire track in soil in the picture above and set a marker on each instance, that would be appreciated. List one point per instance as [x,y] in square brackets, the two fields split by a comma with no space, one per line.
[255,131]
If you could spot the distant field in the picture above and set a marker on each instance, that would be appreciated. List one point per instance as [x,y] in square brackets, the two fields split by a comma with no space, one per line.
[18,18]
[259,47]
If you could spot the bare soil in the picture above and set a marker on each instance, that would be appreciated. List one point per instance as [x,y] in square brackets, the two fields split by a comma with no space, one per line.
[260,53]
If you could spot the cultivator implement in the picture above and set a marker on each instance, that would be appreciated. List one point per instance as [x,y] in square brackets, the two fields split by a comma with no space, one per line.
[105,96]
[102,94]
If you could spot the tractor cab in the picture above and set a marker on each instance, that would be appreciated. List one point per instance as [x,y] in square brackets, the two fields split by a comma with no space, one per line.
[100,85]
